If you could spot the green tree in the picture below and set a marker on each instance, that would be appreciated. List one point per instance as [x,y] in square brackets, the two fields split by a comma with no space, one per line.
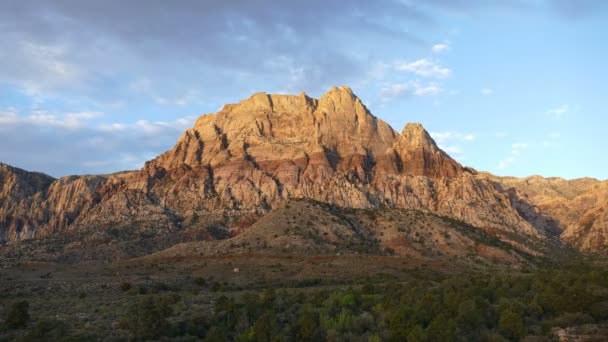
[18,315]
[148,317]
[215,334]
[308,326]
[442,329]
[511,325]
[469,316]
[264,327]
[416,334]
[50,330]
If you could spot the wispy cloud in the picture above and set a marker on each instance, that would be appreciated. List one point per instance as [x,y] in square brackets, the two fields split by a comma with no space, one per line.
[558,112]
[441,47]
[519,146]
[68,143]
[442,137]
[424,68]
[506,162]
[552,139]
[516,149]
[49,119]
[412,88]
[455,150]
[449,141]
[486,91]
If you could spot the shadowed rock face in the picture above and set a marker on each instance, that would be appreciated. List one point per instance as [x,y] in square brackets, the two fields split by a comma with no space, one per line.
[253,156]
[578,207]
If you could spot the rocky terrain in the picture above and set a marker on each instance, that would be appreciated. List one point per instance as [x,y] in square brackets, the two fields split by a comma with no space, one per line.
[577,207]
[254,157]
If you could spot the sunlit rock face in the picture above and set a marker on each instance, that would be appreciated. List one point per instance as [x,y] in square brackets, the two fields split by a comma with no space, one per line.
[252,157]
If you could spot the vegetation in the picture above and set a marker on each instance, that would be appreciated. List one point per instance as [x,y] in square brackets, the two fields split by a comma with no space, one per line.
[467,307]
[18,315]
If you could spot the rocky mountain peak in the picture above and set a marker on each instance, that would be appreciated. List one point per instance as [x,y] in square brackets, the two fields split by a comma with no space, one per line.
[415,136]
[421,156]
[342,101]
[253,156]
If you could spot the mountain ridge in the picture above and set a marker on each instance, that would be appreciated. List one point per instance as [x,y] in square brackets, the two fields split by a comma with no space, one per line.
[252,157]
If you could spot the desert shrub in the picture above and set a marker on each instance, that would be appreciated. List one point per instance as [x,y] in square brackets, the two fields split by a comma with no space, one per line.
[147,318]
[599,310]
[511,325]
[159,287]
[125,287]
[215,334]
[18,315]
[50,330]
[571,319]
[200,281]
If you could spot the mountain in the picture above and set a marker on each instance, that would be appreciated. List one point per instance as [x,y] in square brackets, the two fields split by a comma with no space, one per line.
[253,158]
[578,207]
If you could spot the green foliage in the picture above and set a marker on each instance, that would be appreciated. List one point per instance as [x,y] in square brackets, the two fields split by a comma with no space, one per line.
[264,327]
[511,325]
[200,281]
[147,318]
[48,330]
[426,307]
[18,315]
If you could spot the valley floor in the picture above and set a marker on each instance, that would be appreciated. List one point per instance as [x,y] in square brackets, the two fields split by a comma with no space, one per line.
[292,297]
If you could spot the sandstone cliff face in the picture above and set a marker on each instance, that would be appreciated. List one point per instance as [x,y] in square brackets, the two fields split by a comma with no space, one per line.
[578,207]
[253,156]
[21,194]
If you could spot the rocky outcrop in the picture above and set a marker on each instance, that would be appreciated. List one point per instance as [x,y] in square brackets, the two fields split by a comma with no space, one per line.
[578,208]
[253,156]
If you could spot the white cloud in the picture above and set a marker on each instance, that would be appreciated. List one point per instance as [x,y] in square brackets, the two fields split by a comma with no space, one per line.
[442,137]
[8,118]
[414,88]
[552,139]
[558,112]
[76,143]
[424,68]
[48,119]
[446,141]
[441,47]
[113,127]
[154,127]
[501,135]
[519,146]
[486,91]
[378,70]
[506,162]
[451,149]
[516,149]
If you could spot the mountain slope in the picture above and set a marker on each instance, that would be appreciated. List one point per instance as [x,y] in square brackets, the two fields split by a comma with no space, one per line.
[578,208]
[253,157]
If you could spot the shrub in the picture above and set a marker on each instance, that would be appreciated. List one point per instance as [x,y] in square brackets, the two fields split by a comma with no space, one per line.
[18,315]
[147,318]
[511,325]
[570,319]
[125,287]
[48,330]
[200,281]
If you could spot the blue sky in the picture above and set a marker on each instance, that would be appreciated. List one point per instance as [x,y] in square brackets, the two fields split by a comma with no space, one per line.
[510,87]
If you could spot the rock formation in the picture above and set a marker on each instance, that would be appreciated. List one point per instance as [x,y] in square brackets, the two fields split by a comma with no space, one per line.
[577,208]
[252,157]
